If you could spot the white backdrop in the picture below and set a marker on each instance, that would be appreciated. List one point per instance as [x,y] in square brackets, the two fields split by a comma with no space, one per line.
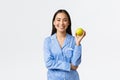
[25,23]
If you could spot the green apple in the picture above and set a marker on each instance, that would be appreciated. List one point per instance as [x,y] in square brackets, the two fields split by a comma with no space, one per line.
[79,31]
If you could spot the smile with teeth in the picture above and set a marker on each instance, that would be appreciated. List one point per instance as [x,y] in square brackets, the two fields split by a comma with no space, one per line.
[61,27]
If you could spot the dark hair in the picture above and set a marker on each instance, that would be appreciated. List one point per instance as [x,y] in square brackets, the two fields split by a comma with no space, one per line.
[69,27]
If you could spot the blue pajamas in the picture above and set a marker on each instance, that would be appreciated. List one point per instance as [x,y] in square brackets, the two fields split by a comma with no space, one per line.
[58,60]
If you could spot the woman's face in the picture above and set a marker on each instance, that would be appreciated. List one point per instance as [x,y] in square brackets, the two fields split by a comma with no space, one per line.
[61,22]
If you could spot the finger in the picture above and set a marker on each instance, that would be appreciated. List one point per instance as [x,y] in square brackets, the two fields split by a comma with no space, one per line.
[75,34]
[84,33]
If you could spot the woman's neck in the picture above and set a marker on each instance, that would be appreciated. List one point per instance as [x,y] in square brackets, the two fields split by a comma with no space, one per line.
[61,38]
[61,35]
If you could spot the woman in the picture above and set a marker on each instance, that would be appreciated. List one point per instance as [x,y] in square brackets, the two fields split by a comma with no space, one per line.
[62,51]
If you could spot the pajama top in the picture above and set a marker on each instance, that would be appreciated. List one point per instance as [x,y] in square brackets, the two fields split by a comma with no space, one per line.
[58,59]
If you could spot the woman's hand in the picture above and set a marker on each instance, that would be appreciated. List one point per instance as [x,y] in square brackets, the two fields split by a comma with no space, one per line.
[79,38]
[73,67]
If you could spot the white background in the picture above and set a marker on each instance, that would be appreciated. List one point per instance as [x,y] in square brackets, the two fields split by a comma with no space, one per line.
[25,23]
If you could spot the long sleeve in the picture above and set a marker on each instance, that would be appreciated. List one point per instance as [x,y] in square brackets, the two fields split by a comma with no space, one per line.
[76,58]
[50,61]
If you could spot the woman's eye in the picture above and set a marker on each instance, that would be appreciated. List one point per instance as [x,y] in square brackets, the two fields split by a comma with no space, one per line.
[65,20]
[58,20]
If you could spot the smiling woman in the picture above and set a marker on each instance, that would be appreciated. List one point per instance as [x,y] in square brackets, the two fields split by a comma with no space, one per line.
[61,22]
[62,51]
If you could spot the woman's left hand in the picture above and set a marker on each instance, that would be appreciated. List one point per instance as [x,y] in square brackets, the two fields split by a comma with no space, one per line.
[79,38]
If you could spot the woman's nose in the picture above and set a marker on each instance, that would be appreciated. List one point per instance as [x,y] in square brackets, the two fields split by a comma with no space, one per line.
[61,22]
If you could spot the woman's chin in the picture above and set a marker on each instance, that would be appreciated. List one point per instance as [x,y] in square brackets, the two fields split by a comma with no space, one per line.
[62,31]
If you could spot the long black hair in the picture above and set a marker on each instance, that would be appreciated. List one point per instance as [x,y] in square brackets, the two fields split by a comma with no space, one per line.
[69,27]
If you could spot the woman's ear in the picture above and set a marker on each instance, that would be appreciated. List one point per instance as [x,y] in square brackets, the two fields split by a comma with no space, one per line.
[53,22]
[68,24]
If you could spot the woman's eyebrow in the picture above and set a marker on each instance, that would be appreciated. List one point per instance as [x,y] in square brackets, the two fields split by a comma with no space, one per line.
[60,18]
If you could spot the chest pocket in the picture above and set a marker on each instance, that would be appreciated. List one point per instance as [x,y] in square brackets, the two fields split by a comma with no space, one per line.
[68,52]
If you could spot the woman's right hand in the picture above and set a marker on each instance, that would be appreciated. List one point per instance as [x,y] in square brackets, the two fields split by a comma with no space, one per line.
[79,38]
[73,67]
